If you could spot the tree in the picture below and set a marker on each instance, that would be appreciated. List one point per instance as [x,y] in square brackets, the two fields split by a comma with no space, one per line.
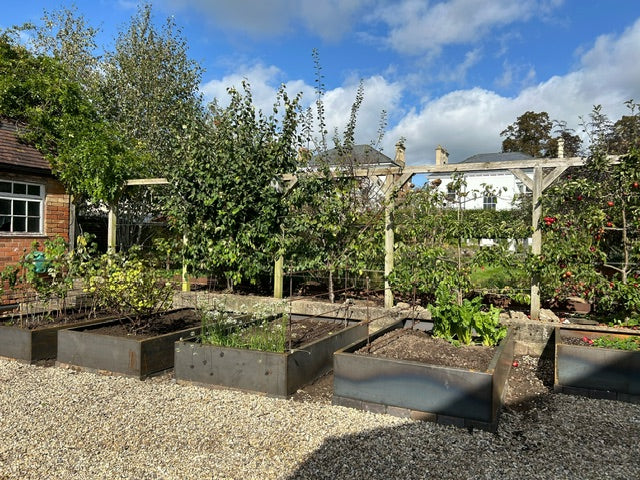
[592,244]
[66,36]
[531,133]
[56,117]
[150,88]
[226,189]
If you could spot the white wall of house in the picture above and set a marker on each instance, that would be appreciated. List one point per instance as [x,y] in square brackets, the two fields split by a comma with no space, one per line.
[505,185]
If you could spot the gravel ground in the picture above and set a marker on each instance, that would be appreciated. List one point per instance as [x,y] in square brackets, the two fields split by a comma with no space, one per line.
[61,424]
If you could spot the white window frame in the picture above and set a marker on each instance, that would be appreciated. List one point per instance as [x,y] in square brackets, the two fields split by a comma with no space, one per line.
[490,202]
[28,199]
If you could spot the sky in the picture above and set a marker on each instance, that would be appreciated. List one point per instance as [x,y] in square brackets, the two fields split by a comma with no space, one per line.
[452,72]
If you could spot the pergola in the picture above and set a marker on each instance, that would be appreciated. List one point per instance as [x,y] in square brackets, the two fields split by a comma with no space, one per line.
[545,172]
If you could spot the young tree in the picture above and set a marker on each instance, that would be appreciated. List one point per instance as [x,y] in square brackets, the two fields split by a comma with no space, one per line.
[592,241]
[226,188]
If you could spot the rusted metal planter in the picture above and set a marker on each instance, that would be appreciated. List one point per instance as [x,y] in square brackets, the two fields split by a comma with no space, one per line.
[34,345]
[134,357]
[594,371]
[448,395]
[277,374]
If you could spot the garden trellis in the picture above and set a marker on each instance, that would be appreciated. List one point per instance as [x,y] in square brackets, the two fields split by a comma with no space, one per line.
[545,172]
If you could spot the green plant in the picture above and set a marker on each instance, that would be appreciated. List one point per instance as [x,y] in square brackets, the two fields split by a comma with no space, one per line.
[608,341]
[257,331]
[130,286]
[457,323]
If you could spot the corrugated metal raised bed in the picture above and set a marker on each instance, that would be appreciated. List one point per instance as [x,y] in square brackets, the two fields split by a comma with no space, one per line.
[278,374]
[32,345]
[423,391]
[596,371]
[131,356]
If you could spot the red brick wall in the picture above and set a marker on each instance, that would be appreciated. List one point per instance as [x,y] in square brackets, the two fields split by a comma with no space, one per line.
[56,220]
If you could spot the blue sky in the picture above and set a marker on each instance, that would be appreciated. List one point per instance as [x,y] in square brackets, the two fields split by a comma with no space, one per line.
[453,72]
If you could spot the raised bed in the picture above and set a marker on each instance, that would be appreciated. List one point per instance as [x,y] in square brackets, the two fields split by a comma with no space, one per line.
[32,345]
[127,355]
[448,395]
[277,374]
[595,371]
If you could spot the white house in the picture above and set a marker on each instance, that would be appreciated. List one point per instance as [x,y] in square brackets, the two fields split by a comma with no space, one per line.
[495,189]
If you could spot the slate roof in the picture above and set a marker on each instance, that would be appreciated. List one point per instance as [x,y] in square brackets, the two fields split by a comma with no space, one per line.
[360,155]
[497,157]
[16,156]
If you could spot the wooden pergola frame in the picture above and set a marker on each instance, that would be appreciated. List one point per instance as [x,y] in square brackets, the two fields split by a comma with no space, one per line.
[545,172]
[395,179]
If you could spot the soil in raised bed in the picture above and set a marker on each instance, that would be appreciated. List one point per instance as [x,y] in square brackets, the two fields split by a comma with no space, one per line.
[415,345]
[161,323]
[304,331]
[41,320]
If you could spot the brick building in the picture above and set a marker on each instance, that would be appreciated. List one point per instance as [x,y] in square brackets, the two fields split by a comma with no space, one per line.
[33,204]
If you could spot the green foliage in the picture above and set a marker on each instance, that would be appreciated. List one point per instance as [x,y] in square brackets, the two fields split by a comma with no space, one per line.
[531,133]
[257,331]
[609,341]
[432,241]
[84,151]
[226,193]
[591,234]
[150,89]
[131,287]
[458,323]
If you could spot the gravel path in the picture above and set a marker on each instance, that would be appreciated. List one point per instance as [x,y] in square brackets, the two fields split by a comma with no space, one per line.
[61,424]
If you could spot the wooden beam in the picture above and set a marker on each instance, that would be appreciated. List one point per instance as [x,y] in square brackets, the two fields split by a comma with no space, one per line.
[147,181]
[552,176]
[278,277]
[457,167]
[111,230]
[389,239]
[523,177]
[536,243]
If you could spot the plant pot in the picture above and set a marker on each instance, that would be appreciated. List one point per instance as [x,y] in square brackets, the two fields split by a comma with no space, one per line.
[448,395]
[127,355]
[32,345]
[595,371]
[277,374]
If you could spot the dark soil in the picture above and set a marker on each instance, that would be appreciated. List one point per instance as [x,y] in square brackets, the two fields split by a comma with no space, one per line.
[304,331]
[529,377]
[160,324]
[415,345]
[41,320]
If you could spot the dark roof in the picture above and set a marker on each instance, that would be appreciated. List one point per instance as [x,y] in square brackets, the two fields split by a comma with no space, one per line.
[497,157]
[16,155]
[359,155]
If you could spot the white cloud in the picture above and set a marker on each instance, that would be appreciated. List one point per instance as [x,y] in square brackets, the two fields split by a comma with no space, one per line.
[470,121]
[379,95]
[417,26]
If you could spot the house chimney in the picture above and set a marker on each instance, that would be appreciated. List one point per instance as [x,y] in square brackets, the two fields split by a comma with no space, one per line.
[400,148]
[560,147]
[442,156]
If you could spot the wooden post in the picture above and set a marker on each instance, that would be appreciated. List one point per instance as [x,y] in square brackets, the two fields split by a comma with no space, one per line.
[389,239]
[278,277]
[111,229]
[186,286]
[536,246]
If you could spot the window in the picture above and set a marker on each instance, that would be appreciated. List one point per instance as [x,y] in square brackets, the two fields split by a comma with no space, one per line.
[489,202]
[21,207]
[522,188]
